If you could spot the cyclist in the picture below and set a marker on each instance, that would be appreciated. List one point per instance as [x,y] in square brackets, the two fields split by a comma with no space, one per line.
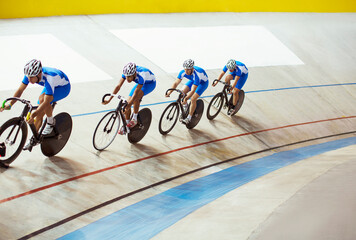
[197,83]
[145,83]
[237,72]
[56,87]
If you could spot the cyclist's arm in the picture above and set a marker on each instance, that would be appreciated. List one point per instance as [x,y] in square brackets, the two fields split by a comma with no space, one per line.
[118,86]
[175,85]
[221,75]
[18,94]
[116,90]
[219,78]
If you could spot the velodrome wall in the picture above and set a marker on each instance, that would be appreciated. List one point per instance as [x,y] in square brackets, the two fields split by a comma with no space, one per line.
[41,8]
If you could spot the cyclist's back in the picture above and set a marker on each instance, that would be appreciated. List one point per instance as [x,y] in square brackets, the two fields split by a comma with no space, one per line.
[199,75]
[144,75]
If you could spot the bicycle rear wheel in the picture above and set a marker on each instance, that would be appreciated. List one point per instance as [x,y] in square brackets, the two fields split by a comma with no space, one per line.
[169,118]
[215,106]
[106,130]
[50,146]
[13,135]
[140,130]
[197,114]
[239,102]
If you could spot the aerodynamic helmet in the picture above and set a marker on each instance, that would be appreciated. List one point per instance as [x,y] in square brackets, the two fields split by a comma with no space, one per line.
[129,69]
[33,68]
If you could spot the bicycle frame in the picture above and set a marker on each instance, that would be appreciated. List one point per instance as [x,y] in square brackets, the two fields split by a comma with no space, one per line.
[28,108]
[224,91]
[122,103]
[179,100]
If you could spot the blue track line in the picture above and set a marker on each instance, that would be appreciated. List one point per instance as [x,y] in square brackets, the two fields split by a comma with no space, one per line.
[255,91]
[149,217]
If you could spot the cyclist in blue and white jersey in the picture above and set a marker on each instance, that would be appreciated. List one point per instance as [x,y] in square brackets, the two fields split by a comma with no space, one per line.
[197,83]
[56,87]
[237,72]
[145,83]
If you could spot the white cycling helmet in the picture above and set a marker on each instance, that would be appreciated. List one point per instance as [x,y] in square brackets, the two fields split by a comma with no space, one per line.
[188,64]
[231,64]
[33,68]
[129,69]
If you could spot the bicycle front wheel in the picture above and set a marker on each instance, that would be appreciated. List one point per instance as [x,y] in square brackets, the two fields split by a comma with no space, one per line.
[13,134]
[106,130]
[169,118]
[215,106]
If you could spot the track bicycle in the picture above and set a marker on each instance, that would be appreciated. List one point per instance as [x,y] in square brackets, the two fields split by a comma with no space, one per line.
[13,134]
[109,125]
[171,114]
[221,100]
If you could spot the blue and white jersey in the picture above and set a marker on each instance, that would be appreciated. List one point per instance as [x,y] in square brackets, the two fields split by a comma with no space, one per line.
[51,78]
[240,69]
[199,76]
[143,76]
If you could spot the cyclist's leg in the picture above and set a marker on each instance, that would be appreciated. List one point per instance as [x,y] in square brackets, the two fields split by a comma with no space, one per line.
[186,88]
[241,82]
[47,111]
[193,103]
[137,101]
[148,88]
[128,110]
[59,93]
[230,76]
[198,92]
[135,105]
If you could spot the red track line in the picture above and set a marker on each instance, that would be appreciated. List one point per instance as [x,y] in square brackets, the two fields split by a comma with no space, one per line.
[160,154]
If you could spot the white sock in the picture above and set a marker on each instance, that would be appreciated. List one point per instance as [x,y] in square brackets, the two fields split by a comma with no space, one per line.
[189,117]
[134,116]
[50,120]
[127,121]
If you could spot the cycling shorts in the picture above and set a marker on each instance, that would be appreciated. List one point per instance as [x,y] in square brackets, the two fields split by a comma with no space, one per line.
[146,88]
[241,81]
[59,93]
[200,89]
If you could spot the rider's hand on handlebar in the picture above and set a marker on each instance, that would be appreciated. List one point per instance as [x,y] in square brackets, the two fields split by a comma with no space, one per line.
[215,82]
[7,107]
[104,102]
